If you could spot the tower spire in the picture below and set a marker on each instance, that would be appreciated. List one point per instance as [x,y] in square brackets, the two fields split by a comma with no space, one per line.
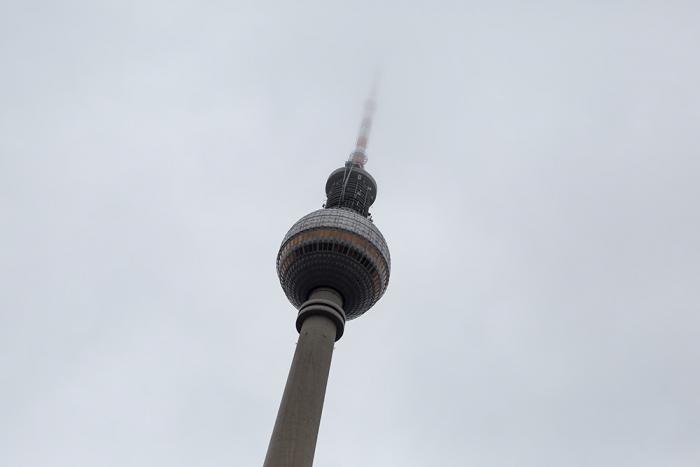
[359,155]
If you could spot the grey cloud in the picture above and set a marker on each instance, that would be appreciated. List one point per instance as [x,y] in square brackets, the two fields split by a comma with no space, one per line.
[537,168]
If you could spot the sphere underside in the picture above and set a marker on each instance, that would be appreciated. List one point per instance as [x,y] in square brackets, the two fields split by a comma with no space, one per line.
[336,248]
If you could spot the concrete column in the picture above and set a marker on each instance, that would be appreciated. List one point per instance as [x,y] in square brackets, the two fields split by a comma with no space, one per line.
[320,323]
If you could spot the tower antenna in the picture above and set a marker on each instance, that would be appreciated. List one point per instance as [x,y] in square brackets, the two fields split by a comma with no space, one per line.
[359,155]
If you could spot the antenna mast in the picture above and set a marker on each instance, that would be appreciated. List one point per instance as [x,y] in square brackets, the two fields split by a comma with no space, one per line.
[359,155]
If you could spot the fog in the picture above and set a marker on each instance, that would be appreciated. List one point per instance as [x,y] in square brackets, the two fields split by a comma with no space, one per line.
[538,171]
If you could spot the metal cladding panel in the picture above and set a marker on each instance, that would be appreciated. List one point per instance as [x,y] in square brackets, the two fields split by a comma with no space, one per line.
[343,219]
[335,248]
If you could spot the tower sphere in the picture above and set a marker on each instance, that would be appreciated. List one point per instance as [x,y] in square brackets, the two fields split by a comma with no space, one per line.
[337,248]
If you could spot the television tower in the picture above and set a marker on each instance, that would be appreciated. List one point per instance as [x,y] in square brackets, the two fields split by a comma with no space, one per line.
[333,265]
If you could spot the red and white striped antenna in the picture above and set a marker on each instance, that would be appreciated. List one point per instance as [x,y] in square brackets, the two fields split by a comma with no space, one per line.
[359,155]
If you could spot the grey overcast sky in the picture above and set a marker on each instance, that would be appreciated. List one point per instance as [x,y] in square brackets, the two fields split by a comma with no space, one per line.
[538,187]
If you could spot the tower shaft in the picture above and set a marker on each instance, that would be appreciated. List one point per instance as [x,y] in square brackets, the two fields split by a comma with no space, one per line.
[293,440]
